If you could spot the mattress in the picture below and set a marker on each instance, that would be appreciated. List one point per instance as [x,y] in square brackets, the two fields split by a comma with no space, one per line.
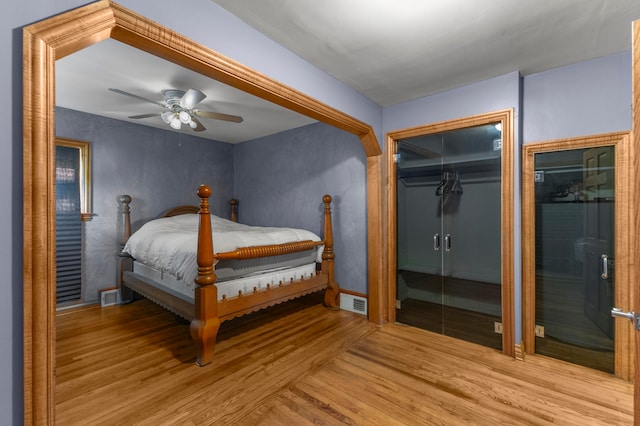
[229,288]
[169,245]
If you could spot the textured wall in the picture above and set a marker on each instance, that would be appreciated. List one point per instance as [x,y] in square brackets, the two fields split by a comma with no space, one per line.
[280,181]
[159,169]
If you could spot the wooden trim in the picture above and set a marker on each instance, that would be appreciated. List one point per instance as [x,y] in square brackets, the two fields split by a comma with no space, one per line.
[507,211]
[353,293]
[508,232]
[518,352]
[624,193]
[378,312]
[61,35]
[635,209]
[84,150]
[391,149]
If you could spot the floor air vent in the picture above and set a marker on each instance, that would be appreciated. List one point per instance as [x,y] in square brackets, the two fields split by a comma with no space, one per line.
[109,297]
[352,303]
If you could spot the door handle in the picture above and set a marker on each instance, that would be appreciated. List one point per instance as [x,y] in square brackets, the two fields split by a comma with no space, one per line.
[447,242]
[617,312]
[605,267]
[631,316]
[436,242]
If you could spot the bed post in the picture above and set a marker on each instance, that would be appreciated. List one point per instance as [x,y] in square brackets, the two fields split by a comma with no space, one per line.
[205,324]
[332,293]
[125,261]
[234,209]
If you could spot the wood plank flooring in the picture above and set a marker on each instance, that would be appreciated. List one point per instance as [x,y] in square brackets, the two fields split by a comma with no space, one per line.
[303,364]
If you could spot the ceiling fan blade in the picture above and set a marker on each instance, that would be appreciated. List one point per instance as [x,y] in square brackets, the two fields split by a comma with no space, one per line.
[154,114]
[199,127]
[218,116]
[192,98]
[122,92]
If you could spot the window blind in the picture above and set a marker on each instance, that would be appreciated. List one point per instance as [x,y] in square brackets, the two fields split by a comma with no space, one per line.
[68,225]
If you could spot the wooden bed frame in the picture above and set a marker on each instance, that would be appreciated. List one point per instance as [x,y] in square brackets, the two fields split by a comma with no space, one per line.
[207,312]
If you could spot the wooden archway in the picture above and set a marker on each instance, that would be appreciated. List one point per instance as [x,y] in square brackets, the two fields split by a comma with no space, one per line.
[59,36]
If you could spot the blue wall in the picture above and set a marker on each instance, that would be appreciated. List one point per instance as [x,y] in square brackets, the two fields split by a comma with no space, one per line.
[280,180]
[588,98]
[149,165]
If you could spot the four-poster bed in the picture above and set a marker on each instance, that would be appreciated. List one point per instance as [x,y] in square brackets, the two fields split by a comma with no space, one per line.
[289,268]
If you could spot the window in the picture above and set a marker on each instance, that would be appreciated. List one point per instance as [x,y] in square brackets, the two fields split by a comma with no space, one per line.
[73,176]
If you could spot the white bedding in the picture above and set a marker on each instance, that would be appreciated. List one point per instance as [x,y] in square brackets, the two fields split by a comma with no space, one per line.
[170,244]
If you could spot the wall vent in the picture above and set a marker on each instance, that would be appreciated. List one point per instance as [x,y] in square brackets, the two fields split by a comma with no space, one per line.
[352,303]
[110,297]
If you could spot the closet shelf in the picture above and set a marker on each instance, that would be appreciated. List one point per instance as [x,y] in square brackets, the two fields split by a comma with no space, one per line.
[434,166]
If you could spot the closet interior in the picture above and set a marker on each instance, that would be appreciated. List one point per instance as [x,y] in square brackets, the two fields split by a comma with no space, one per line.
[448,244]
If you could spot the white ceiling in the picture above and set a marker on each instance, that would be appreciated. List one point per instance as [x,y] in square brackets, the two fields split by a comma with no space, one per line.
[84,78]
[396,50]
[389,51]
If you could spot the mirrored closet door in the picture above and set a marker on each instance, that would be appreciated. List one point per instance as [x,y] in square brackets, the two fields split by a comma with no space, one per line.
[448,209]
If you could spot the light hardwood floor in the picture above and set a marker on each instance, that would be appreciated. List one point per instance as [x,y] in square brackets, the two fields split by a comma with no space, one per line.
[303,364]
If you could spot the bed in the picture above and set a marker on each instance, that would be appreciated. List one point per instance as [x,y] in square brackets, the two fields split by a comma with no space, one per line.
[255,267]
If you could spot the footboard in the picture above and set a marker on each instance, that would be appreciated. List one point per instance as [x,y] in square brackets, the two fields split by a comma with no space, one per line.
[207,312]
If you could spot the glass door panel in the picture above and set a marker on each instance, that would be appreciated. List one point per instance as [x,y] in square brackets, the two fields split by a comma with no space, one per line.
[449,235]
[419,231]
[574,264]
[471,208]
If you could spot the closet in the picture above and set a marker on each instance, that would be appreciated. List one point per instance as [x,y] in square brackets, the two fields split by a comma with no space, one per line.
[448,188]
[578,251]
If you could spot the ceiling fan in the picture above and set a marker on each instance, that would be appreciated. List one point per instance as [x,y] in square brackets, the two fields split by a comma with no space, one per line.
[180,108]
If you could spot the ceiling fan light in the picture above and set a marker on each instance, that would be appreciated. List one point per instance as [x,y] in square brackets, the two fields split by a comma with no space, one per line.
[167,116]
[193,124]
[175,123]
[185,117]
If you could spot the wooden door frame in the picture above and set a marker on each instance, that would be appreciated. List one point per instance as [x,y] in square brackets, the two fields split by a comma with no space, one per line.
[623,240]
[507,273]
[56,37]
[635,203]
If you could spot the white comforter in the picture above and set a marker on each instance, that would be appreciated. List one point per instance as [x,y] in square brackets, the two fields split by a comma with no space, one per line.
[170,244]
